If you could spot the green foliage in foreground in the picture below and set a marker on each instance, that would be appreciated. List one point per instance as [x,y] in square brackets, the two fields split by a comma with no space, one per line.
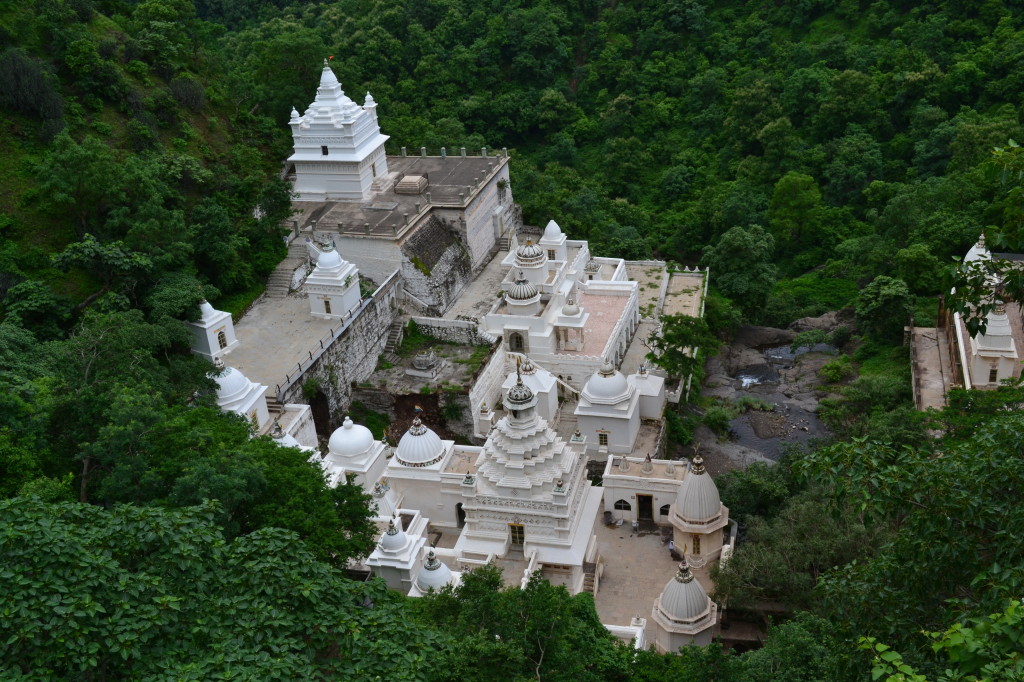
[959,501]
[130,593]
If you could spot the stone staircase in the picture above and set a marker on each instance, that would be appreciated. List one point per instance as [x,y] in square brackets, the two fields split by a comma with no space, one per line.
[280,281]
[590,577]
[274,406]
[394,340]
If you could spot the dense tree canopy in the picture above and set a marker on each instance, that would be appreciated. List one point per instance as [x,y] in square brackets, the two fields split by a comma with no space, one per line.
[816,155]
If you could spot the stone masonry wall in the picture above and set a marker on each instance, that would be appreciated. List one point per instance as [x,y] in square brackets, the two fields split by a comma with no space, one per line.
[453,331]
[352,355]
[436,266]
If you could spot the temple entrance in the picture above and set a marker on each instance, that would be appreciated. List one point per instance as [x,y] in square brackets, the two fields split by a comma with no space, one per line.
[460,515]
[517,534]
[645,508]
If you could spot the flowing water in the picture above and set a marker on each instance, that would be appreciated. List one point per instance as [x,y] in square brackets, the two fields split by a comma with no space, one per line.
[790,421]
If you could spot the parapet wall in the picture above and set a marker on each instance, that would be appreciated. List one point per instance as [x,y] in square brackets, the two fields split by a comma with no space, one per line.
[453,331]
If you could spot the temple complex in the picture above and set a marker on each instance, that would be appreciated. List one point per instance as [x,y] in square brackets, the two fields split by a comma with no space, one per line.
[384,244]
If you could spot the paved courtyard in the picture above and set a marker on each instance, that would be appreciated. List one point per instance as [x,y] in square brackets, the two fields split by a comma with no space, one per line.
[637,566]
[274,336]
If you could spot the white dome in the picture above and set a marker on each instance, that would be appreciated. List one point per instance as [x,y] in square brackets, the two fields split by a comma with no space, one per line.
[530,255]
[231,385]
[683,598]
[350,440]
[288,441]
[522,290]
[978,252]
[520,397]
[698,499]
[419,447]
[570,309]
[207,311]
[394,537]
[552,232]
[329,259]
[434,575]
[607,386]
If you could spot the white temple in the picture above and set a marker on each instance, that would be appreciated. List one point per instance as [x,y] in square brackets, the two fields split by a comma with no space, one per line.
[339,149]
[333,286]
[684,614]
[565,320]
[530,493]
[563,307]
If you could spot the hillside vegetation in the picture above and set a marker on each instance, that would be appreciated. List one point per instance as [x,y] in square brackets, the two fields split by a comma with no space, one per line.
[815,154]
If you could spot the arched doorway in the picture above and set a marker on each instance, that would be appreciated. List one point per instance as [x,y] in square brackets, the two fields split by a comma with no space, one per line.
[321,410]
[460,515]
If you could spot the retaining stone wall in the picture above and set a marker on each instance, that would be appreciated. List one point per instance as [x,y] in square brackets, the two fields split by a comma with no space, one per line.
[352,356]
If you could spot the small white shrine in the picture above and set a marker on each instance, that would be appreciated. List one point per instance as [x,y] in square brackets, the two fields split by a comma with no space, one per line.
[235,393]
[683,614]
[433,576]
[352,449]
[609,413]
[213,333]
[339,149]
[541,382]
[333,286]
[994,353]
[698,516]
[397,555]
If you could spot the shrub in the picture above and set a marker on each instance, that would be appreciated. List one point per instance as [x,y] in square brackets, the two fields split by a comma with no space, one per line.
[188,93]
[717,419]
[748,402]
[837,370]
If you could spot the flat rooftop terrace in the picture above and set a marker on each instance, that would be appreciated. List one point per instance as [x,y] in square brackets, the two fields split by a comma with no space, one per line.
[384,214]
[274,336]
[685,292]
[605,312]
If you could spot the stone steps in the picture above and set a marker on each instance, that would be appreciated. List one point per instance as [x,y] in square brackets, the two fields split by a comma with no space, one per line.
[394,337]
[279,283]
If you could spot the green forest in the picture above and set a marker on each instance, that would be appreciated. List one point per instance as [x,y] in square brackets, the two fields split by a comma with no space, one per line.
[817,155]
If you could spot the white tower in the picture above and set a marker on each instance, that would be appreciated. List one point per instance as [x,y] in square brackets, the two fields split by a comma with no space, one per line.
[333,286]
[530,492]
[339,149]
[698,516]
[993,354]
[213,332]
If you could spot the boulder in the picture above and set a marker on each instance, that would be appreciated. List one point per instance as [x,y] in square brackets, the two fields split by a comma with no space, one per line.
[761,337]
[826,322]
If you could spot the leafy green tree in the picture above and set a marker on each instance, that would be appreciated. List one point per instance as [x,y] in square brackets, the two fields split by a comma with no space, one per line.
[784,556]
[795,211]
[883,308]
[916,266]
[758,490]
[539,632]
[960,504]
[681,343]
[131,593]
[741,267]
[111,263]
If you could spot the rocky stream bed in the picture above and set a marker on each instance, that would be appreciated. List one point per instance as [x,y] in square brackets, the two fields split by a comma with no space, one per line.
[760,364]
